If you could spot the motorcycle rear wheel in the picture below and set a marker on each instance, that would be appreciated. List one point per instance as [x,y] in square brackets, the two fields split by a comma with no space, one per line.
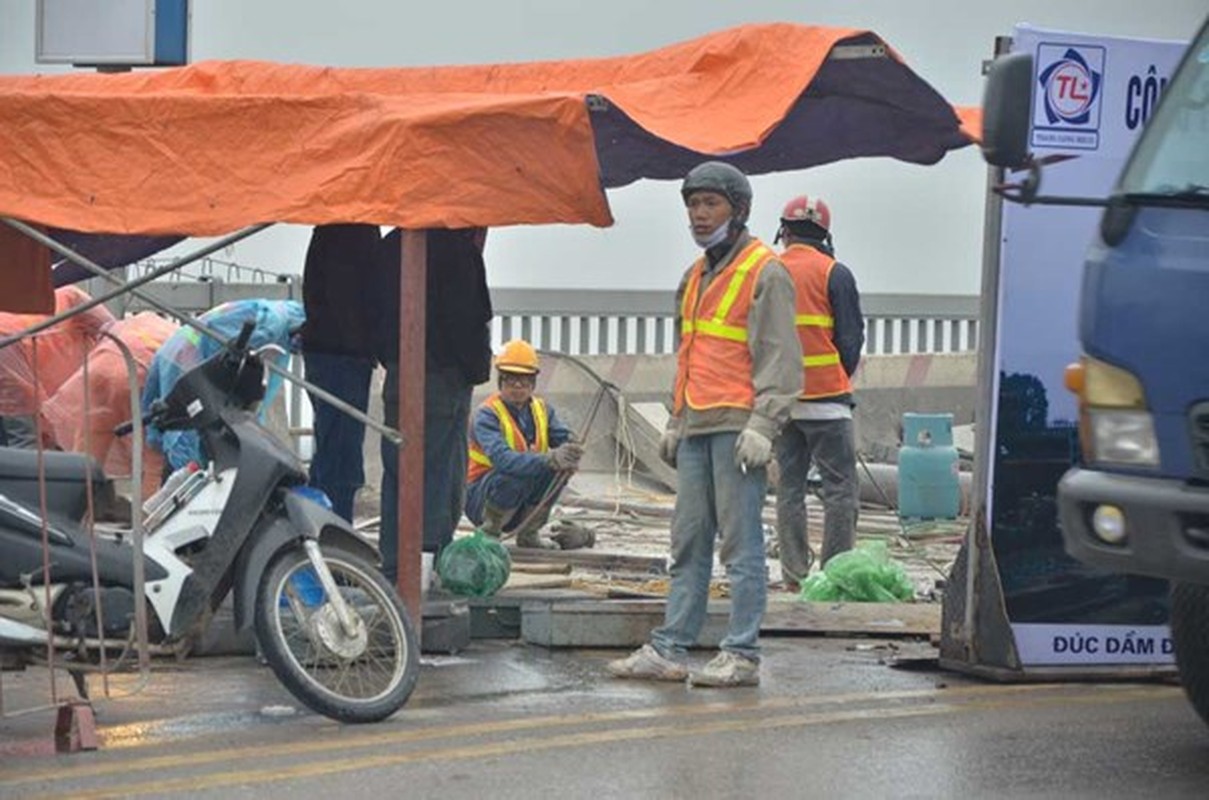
[360,677]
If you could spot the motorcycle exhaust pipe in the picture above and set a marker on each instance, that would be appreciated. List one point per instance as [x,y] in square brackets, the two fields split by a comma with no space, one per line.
[18,633]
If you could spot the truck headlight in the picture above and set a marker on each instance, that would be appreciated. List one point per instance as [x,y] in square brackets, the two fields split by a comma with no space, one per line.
[1123,437]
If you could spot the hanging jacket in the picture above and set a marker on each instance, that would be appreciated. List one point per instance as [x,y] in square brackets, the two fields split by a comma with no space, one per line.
[826,372]
[513,440]
[457,302]
[339,285]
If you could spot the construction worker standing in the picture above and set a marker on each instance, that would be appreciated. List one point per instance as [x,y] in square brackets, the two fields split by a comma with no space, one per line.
[518,447]
[832,332]
[738,372]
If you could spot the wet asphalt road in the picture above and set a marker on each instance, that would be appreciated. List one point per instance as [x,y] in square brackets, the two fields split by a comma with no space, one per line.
[505,720]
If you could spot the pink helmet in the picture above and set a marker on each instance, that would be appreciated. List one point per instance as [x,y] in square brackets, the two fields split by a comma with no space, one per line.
[807,209]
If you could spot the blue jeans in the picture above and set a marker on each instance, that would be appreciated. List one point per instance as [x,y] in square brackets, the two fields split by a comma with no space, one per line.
[715,499]
[338,463]
[446,450]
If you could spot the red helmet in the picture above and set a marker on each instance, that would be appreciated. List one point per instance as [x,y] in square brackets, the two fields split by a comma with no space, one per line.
[807,209]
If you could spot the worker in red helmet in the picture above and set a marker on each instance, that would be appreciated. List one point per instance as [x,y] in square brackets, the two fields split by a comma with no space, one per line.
[832,332]
[518,447]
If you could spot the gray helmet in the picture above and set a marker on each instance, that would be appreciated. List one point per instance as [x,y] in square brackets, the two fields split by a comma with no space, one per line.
[725,179]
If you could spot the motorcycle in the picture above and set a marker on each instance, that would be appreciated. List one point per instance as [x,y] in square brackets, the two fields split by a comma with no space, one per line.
[334,632]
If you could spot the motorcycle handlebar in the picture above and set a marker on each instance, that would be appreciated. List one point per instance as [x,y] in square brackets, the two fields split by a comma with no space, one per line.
[158,409]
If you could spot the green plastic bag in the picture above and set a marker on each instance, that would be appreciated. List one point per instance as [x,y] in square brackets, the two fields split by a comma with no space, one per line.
[865,574]
[474,566]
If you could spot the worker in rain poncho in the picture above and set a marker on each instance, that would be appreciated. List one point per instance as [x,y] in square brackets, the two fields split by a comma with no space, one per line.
[33,369]
[277,321]
[82,414]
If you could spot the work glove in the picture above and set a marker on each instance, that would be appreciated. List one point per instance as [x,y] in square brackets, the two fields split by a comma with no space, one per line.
[752,450]
[669,444]
[566,456]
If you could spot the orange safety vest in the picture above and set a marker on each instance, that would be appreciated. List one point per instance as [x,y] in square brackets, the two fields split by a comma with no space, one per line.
[480,463]
[824,374]
[713,365]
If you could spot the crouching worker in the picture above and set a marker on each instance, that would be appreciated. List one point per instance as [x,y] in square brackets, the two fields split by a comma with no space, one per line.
[518,451]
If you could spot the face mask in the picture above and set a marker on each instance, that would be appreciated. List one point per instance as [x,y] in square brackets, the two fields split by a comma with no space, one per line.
[717,237]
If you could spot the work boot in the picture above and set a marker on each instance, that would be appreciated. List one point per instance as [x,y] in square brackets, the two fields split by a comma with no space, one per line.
[531,537]
[494,519]
[646,663]
[570,536]
[727,669]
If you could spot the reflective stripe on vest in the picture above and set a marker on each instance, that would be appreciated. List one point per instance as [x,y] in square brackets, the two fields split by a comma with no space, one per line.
[480,463]
[823,372]
[714,363]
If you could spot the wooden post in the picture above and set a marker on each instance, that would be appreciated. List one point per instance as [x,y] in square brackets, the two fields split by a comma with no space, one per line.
[412,306]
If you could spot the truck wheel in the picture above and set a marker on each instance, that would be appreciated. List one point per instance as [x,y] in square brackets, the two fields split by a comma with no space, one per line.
[1190,635]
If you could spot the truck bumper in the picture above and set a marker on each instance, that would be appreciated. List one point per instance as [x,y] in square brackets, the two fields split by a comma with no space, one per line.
[1167,524]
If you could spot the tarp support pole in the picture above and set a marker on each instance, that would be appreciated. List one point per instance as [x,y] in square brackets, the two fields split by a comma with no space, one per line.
[412,309]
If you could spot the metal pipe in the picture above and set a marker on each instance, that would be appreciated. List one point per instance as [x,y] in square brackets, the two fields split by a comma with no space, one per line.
[136,509]
[127,287]
[131,287]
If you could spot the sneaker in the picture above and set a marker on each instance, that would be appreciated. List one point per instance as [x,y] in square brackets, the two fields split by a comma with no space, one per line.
[727,669]
[646,663]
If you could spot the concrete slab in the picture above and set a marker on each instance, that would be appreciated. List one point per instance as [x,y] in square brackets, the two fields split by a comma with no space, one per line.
[607,623]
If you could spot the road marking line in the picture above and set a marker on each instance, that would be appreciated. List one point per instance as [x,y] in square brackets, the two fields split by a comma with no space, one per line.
[326,746]
[995,699]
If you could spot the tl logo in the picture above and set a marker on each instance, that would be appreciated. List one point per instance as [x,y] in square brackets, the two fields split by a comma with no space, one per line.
[1070,86]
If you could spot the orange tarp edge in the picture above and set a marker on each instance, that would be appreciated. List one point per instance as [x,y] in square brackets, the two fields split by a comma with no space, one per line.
[971,122]
[209,148]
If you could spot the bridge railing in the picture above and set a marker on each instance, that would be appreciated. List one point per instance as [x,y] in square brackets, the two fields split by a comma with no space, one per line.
[605,321]
[610,322]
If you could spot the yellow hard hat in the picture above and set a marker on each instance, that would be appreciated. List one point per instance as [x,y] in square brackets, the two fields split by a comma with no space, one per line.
[518,356]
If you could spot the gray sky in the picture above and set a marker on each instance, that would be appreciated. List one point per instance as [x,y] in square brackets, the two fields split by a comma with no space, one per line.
[902,228]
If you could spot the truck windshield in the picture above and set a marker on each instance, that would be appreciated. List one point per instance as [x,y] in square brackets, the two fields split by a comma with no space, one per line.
[1170,165]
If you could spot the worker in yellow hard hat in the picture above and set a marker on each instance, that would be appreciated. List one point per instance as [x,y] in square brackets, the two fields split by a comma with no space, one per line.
[518,447]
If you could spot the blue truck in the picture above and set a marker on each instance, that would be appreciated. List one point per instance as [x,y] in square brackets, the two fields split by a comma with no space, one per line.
[1138,499]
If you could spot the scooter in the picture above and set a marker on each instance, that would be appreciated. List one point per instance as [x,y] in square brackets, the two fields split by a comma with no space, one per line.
[332,629]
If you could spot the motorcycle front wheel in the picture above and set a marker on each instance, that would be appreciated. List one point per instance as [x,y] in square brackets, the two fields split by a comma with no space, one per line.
[359,673]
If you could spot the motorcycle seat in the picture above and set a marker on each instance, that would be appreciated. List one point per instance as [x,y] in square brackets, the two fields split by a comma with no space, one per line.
[21,464]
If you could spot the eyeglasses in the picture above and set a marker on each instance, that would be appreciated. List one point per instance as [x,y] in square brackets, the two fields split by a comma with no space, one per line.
[518,380]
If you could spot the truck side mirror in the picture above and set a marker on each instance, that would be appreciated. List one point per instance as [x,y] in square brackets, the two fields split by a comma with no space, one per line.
[1006,109]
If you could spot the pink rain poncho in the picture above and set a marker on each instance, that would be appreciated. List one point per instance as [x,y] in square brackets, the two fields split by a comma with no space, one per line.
[59,352]
[71,425]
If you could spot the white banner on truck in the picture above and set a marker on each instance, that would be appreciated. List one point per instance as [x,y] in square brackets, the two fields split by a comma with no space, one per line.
[1091,96]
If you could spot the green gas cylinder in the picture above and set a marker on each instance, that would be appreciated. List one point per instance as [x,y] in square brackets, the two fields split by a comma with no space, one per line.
[928,485]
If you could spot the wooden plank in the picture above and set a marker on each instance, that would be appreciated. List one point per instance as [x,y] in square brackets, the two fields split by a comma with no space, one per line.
[589,559]
[542,569]
[876,619]
[521,580]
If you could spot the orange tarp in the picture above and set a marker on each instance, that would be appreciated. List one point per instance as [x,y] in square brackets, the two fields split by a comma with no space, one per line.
[212,147]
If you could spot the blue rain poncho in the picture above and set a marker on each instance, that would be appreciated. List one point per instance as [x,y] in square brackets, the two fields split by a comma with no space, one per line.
[276,322]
